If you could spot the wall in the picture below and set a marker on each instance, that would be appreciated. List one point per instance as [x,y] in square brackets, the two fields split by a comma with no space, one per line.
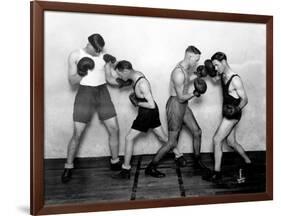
[154,46]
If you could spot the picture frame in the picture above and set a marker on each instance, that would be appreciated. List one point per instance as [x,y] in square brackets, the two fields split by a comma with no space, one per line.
[37,10]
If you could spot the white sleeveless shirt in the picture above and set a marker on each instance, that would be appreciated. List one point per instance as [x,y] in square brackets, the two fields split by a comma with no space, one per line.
[96,76]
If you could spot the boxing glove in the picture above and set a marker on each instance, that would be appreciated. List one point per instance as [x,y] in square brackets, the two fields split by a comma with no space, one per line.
[133,99]
[201,71]
[84,65]
[210,68]
[109,58]
[200,87]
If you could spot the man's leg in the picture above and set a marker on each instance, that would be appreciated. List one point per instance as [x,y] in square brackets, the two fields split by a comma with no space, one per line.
[222,132]
[107,114]
[113,132]
[129,142]
[232,142]
[172,142]
[74,142]
[72,149]
[220,135]
[151,168]
[175,113]
[162,136]
[245,170]
[196,132]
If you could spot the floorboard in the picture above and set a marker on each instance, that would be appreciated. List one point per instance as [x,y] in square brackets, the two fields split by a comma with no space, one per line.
[92,181]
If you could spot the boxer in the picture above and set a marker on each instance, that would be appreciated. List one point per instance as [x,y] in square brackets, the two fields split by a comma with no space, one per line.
[86,69]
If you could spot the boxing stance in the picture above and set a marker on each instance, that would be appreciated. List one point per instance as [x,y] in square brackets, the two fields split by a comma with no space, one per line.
[86,68]
[178,111]
[234,100]
[148,113]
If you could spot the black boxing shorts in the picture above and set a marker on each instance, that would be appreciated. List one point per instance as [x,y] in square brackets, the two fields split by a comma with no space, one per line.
[175,113]
[90,99]
[237,116]
[146,119]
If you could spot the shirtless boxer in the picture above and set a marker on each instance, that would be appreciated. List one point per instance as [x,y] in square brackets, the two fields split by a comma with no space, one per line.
[147,118]
[178,111]
[234,100]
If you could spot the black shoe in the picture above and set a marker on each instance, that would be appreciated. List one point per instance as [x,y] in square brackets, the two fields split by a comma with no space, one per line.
[66,176]
[123,174]
[181,162]
[116,166]
[152,171]
[213,176]
[199,164]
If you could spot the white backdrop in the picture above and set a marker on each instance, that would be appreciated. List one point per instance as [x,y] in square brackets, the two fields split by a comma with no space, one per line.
[14,181]
[154,46]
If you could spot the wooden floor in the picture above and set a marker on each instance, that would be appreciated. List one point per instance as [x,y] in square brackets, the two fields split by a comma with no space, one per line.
[92,180]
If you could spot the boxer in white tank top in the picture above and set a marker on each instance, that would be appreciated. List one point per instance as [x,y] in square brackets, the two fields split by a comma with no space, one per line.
[92,96]
[96,76]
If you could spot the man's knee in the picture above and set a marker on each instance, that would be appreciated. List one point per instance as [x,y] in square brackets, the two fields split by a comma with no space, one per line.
[171,144]
[129,138]
[163,138]
[173,139]
[217,140]
[113,129]
[231,142]
[77,134]
[197,132]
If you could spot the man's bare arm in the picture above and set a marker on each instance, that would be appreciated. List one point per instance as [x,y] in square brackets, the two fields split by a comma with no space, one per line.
[109,76]
[145,91]
[178,80]
[73,76]
[238,85]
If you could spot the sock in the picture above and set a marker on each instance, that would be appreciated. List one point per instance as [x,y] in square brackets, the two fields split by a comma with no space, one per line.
[178,155]
[126,167]
[114,161]
[68,166]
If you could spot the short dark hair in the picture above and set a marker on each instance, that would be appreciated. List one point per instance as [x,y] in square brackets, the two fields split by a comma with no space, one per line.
[219,56]
[97,41]
[193,49]
[122,65]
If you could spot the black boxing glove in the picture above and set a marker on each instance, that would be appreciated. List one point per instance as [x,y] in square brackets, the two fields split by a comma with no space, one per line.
[84,65]
[196,93]
[133,99]
[201,71]
[210,68]
[82,73]
[200,87]
[123,83]
[229,111]
[109,58]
